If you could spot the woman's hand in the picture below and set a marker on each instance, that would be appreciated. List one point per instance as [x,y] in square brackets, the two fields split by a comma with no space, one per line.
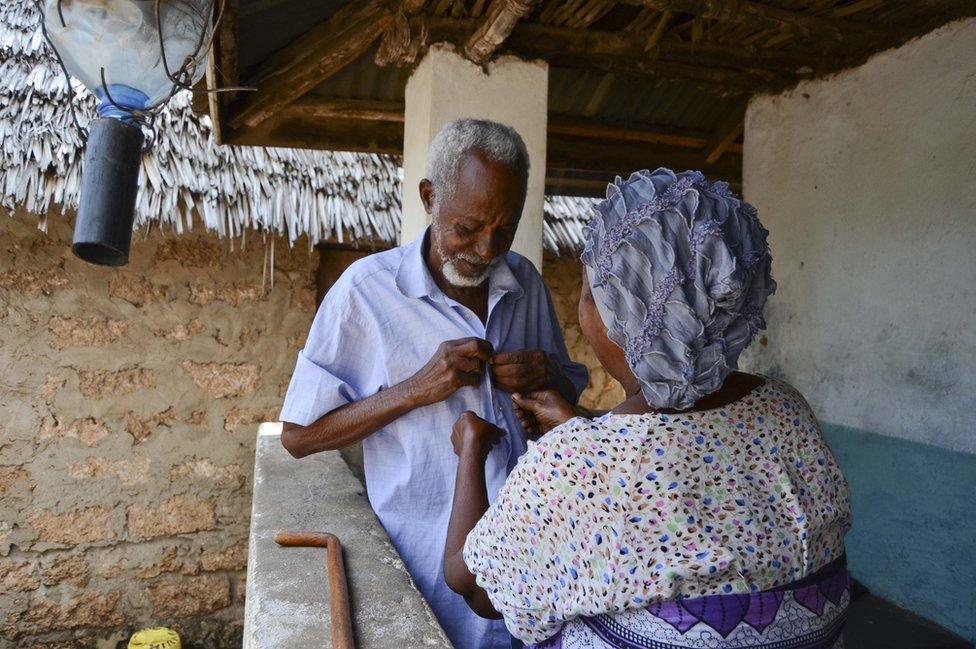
[473,438]
[472,434]
[542,411]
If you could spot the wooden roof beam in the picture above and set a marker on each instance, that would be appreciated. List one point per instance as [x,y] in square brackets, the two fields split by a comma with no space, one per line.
[499,21]
[222,68]
[723,80]
[568,156]
[613,52]
[767,15]
[536,38]
[366,110]
[316,108]
[652,134]
[312,58]
[728,131]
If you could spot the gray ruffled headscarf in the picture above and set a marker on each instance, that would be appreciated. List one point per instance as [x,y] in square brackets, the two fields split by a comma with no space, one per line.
[680,271]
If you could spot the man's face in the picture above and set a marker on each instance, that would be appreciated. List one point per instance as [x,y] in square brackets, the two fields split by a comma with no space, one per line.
[474,228]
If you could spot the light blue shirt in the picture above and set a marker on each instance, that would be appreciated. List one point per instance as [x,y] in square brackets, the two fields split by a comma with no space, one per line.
[380,323]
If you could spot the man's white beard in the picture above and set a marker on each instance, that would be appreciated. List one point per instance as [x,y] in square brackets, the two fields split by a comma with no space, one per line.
[449,268]
[455,278]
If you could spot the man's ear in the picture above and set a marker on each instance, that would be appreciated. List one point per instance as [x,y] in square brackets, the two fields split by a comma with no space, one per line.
[427,195]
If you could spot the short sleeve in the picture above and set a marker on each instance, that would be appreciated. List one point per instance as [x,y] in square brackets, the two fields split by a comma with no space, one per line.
[333,369]
[554,540]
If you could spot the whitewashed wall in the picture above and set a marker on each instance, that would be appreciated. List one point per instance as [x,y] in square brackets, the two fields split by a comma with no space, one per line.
[867,183]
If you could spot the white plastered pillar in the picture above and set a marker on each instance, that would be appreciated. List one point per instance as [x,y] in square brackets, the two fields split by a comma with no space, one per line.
[447,86]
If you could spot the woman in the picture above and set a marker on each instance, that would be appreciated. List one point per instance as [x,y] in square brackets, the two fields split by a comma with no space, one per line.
[705,510]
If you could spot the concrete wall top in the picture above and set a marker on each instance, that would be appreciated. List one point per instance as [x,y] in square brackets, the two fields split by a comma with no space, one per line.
[287,588]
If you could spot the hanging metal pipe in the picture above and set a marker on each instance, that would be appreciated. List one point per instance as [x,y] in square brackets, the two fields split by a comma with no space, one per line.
[110,181]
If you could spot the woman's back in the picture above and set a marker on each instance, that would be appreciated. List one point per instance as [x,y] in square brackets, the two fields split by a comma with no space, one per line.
[720,524]
[611,516]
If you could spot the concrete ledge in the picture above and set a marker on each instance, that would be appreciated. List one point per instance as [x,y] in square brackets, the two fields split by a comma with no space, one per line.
[287,594]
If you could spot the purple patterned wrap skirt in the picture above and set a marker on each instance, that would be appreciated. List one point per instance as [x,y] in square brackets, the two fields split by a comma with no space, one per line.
[807,614]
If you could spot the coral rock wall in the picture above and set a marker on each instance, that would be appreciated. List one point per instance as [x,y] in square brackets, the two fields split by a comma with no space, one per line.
[563,277]
[129,402]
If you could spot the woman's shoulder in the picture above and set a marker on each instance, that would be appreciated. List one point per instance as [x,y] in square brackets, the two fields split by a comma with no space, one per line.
[603,430]
[608,441]
[780,394]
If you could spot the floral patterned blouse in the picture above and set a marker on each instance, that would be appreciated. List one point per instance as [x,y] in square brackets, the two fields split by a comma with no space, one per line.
[608,515]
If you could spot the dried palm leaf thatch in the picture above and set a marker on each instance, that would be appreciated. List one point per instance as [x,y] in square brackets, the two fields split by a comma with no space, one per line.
[328,196]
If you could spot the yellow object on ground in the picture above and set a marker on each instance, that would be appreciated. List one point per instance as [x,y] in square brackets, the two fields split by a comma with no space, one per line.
[155,638]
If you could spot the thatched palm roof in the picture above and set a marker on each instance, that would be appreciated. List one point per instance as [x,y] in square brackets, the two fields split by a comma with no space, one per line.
[326,195]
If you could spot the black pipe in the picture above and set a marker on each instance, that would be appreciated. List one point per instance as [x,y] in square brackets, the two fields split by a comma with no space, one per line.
[109,183]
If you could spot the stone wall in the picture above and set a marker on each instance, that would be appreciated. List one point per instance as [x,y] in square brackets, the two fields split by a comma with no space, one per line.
[129,402]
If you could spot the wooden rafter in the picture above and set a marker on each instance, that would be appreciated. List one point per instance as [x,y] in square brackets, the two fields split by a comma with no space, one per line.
[655,37]
[359,109]
[730,127]
[316,108]
[763,14]
[727,80]
[227,50]
[312,58]
[629,44]
[651,134]
[742,67]
[222,68]
[498,23]
[572,154]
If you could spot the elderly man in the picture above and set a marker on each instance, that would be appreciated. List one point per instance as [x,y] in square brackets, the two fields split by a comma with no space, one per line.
[408,339]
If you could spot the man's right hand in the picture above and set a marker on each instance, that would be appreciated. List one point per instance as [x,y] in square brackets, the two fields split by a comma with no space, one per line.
[455,364]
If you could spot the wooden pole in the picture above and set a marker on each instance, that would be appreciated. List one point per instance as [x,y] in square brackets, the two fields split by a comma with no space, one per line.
[312,58]
[500,20]
[340,614]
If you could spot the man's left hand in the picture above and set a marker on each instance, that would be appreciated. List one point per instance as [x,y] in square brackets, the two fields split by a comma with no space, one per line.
[525,370]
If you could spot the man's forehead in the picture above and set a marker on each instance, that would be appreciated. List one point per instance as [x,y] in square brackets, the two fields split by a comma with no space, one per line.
[476,165]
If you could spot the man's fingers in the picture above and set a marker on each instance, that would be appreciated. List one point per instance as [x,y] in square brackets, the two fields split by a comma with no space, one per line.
[467,378]
[468,364]
[531,356]
[518,371]
[475,347]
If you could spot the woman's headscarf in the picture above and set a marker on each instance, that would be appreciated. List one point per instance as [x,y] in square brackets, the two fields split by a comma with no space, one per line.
[680,271]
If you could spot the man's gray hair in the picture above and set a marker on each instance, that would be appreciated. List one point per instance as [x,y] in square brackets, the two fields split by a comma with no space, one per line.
[497,142]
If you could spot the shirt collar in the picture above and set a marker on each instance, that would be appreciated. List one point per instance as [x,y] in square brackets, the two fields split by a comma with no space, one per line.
[413,278]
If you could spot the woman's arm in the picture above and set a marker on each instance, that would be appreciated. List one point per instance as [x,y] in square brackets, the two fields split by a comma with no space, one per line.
[473,438]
